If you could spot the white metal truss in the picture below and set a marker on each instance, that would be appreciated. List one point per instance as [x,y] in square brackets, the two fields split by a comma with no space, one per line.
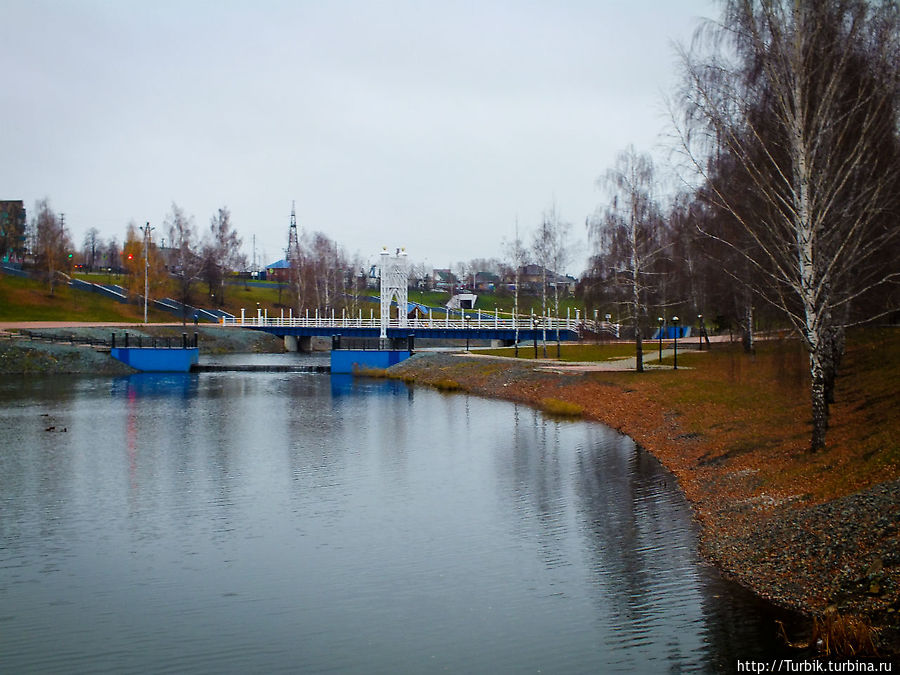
[394,284]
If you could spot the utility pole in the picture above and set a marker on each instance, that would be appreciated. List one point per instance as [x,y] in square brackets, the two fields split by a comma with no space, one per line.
[146,229]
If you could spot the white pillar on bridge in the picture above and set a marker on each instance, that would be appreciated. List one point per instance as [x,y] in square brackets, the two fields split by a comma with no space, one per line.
[394,283]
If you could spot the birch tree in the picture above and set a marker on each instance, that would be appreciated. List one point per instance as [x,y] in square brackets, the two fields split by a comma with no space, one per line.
[517,255]
[551,251]
[802,94]
[627,228]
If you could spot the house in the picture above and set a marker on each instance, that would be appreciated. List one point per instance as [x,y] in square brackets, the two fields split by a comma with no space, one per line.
[444,279]
[12,230]
[531,278]
[279,271]
[486,282]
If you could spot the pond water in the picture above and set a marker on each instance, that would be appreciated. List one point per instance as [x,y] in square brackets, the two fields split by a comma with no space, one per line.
[250,522]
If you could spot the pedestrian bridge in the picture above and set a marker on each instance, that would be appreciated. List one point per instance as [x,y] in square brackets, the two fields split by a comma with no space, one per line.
[474,326]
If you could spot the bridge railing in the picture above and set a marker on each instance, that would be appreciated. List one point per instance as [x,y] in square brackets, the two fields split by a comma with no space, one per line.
[474,320]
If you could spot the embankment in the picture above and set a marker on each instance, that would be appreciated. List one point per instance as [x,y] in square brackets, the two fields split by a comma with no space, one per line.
[815,533]
[67,350]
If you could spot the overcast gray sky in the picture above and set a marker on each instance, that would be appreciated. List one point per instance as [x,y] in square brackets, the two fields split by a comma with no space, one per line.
[429,125]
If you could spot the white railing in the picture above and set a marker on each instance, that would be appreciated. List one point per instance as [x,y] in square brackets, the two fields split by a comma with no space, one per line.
[474,319]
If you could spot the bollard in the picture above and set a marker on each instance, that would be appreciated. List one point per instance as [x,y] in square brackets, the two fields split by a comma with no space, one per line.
[184,340]
[411,340]
[126,340]
[195,340]
[112,343]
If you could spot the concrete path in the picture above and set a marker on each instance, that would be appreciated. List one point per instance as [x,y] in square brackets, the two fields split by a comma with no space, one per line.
[574,367]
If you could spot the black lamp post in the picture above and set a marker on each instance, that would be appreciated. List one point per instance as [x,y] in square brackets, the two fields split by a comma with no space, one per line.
[467,324]
[675,362]
[659,335]
[700,329]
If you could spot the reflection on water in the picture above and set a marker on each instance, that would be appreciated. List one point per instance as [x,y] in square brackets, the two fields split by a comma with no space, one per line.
[250,522]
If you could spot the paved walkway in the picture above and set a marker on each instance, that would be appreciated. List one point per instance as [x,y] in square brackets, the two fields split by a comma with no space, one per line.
[574,367]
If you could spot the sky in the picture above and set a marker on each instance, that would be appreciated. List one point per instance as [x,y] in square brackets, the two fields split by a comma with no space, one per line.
[433,126]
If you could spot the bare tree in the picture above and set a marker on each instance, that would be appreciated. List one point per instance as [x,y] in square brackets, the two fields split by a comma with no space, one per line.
[626,234]
[51,242]
[805,104]
[113,255]
[185,263]
[91,247]
[220,253]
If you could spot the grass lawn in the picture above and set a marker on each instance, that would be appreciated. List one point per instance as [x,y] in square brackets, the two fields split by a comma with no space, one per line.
[28,300]
[753,412]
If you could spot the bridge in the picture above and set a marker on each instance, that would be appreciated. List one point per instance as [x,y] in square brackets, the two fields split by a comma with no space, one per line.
[394,276]
[475,325]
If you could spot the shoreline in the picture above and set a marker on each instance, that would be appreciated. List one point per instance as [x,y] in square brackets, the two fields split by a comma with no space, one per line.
[838,557]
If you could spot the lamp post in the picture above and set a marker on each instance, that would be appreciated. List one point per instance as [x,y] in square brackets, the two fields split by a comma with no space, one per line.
[467,323]
[700,331]
[146,229]
[675,362]
[659,335]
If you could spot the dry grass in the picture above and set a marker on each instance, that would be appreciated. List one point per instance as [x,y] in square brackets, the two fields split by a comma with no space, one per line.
[377,373]
[557,408]
[446,384]
[837,635]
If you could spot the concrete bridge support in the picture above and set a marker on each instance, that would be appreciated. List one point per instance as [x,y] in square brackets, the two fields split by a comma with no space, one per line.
[502,343]
[298,343]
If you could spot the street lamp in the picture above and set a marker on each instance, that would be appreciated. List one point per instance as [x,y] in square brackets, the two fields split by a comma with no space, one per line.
[467,323]
[675,363]
[146,229]
[700,331]
[659,335]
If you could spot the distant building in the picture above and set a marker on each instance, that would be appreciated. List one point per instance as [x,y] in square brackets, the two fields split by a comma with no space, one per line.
[12,230]
[444,279]
[279,271]
[531,277]
[486,282]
